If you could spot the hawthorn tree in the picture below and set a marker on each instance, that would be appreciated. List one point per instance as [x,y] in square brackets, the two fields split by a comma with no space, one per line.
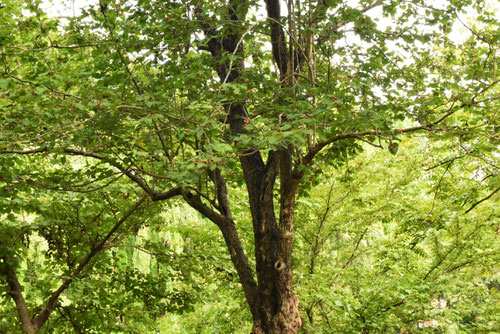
[191,99]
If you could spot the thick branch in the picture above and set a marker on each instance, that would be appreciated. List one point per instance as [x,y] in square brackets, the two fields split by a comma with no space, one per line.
[251,160]
[166,195]
[357,135]
[16,293]
[221,192]
[233,243]
[278,40]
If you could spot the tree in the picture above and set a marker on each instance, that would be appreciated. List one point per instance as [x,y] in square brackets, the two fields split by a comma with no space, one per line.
[74,239]
[187,100]
[390,252]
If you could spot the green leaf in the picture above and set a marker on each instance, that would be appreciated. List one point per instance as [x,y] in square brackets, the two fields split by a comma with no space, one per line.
[393,147]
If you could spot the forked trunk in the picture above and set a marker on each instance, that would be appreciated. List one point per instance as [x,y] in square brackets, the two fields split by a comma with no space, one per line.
[271,299]
[277,311]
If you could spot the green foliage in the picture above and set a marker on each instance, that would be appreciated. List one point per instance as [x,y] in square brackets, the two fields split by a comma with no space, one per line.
[125,97]
[384,252]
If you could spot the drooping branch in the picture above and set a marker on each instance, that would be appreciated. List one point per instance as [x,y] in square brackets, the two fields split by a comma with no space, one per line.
[155,196]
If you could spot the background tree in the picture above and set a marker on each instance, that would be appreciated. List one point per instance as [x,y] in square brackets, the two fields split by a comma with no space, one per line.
[74,230]
[84,262]
[388,253]
[187,100]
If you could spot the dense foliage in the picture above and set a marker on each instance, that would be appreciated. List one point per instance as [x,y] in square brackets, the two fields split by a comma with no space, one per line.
[159,161]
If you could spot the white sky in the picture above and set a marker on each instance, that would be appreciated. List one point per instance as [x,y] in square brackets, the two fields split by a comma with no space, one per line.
[459,33]
[65,8]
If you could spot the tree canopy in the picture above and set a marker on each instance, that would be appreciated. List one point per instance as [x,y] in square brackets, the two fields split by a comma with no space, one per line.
[360,134]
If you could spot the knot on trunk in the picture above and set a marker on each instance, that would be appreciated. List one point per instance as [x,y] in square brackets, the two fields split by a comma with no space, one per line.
[279,265]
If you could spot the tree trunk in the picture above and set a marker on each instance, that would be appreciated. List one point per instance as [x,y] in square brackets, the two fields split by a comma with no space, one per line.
[277,305]
[273,242]
[271,299]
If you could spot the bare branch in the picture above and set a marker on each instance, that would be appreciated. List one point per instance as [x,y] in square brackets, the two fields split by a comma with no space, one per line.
[484,199]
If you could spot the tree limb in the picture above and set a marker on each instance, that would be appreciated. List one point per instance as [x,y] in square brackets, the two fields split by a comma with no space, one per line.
[278,40]
[155,196]
[45,313]
[27,324]
[357,135]
[233,243]
[33,325]
[484,199]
